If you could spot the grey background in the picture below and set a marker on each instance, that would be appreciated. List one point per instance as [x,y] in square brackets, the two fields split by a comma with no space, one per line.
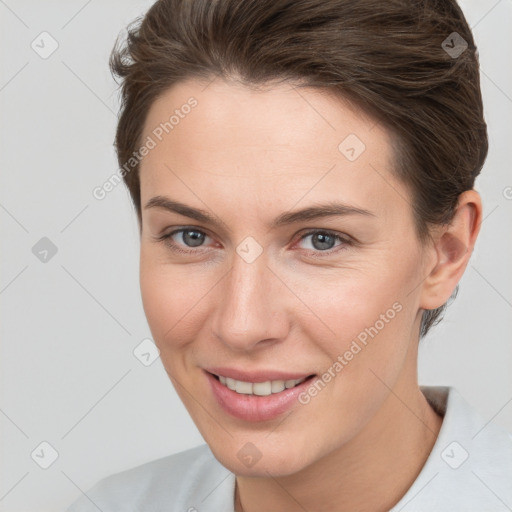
[69,325]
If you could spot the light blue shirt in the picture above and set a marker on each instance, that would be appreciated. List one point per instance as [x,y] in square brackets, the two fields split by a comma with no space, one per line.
[469,469]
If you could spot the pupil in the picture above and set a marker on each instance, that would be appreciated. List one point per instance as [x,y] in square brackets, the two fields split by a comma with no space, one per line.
[325,241]
[193,238]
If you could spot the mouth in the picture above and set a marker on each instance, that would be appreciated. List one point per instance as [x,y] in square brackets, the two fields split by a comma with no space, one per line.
[266,388]
[261,396]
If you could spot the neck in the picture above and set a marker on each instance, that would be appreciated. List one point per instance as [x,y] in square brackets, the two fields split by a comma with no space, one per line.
[371,473]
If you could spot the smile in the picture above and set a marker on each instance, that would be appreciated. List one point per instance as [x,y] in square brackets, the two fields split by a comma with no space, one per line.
[266,388]
[256,395]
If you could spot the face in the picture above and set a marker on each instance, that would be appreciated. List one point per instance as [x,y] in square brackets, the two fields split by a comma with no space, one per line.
[242,290]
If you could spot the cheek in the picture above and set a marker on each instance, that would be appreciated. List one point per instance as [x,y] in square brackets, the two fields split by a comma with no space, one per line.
[371,322]
[175,302]
[365,318]
[347,304]
[164,297]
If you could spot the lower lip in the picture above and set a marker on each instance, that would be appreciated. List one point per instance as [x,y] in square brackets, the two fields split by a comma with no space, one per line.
[253,407]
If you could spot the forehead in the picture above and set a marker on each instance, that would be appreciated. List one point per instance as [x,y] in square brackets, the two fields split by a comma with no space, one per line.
[273,142]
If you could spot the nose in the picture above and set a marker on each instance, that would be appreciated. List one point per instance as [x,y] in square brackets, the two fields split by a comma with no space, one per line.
[250,312]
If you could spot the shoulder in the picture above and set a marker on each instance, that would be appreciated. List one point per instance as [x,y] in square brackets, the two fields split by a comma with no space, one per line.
[470,466]
[176,482]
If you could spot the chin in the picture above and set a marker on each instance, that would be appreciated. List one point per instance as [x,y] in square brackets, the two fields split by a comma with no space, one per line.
[258,456]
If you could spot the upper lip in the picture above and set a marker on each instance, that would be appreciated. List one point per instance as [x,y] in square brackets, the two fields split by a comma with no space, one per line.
[256,375]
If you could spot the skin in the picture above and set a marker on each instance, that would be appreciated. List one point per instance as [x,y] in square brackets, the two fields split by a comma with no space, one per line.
[245,157]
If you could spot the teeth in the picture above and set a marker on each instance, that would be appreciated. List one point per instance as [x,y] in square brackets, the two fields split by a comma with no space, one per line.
[262,388]
[259,388]
[245,388]
[277,386]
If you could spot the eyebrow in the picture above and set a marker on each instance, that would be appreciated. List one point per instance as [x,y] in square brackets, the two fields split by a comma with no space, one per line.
[329,209]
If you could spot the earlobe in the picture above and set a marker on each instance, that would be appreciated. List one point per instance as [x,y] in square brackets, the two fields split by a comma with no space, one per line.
[452,248]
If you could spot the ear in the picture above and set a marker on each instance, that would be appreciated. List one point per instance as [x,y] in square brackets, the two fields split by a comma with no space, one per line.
[453,246]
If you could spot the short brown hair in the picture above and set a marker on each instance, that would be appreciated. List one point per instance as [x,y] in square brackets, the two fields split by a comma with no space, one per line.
[404,62]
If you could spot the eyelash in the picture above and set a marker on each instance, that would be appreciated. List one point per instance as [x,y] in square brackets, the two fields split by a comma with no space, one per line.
[345,241]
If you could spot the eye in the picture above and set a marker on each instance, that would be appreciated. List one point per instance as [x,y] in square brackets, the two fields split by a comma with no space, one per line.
[318,242]
[324,241]
[185,239]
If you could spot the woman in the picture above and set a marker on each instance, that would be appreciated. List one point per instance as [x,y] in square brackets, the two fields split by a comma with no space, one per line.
[303,175]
